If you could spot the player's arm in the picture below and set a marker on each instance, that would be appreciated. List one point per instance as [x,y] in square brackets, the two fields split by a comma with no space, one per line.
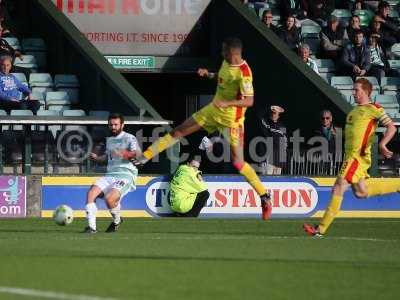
[98,158]
[388,135]
[202,72]
[246,101]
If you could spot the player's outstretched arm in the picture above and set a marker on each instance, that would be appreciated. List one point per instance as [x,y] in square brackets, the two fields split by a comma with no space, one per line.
[389,134]
[202,72]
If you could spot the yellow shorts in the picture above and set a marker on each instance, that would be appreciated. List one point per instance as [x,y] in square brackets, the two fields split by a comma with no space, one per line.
[229,123]
[355,168]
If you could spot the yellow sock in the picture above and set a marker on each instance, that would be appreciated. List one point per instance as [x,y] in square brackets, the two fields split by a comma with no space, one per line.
[159,146]
[330,213]
[248,172]
[379,188]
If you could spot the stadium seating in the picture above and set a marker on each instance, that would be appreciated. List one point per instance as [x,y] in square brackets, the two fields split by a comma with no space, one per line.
[13,42]
[373,81]
[390,83]
[387,101]
[21,77]
[342,82]
[68,83]
[54,129]
[40,80]
[20,112]
[37,48]
[27,61]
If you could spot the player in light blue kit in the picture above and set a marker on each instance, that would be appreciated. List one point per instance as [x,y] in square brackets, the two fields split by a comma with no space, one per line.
[121,174]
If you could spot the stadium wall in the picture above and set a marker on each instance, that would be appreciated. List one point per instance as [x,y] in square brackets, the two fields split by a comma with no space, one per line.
[231,197]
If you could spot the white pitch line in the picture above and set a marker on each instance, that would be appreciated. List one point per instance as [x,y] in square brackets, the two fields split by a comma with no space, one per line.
[211,237]
[47,294]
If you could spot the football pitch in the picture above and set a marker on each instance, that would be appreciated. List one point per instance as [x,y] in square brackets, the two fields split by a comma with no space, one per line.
[199,259]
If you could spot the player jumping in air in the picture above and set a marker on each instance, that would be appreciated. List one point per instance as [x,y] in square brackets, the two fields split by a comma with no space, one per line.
[121,174]
[361,124]
[225,114]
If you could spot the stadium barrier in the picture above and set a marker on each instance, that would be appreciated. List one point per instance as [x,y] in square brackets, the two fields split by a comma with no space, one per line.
[230,197]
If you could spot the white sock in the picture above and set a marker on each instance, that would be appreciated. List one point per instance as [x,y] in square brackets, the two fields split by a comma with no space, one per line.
[116,213]
[91,210]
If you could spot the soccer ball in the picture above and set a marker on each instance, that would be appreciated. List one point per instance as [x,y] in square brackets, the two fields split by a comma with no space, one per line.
[63,215]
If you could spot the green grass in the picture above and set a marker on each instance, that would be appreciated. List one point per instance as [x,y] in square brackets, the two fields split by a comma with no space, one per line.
[203,259]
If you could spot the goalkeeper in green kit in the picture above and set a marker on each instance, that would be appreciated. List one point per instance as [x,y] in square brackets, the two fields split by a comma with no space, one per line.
[188,192]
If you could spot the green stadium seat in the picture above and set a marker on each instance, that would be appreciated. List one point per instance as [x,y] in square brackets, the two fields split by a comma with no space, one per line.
[4,127]
[42,90]
[33,44]
[58,100]
[394,64]
[373,81]
[365,16]
[325,65]
[326,76]
[27,61]
[392,112]
[387,101]
[390,83]
[99,113]
[395,50]
[310,31]
[343,16]
[394,14]
[74,113]
[13,42]
[347,94]
[65,80]
[342,82]
[40,80]
[40,97]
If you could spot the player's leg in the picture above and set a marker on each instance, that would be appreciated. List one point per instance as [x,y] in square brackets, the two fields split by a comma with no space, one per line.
[235,137]
[376,188]
[94,192]
[119,188]
[113,202]
[187,127]
[199,203]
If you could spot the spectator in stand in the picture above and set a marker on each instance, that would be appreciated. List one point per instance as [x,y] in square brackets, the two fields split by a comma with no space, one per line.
[290,34]
[355,26]
[267,20]
[296,8]
[356,60]
[327,130]
[388,24]
[333,38]
[7,50]
[320,11]
[357,5]
[379,63]
[274,130]
[304,53]
[11,89]
[385,39]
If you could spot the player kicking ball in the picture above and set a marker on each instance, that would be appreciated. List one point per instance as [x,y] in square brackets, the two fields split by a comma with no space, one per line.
[121,174]
[225,114]
[361,124]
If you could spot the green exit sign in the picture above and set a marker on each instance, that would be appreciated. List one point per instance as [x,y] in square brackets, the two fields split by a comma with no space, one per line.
[132,62]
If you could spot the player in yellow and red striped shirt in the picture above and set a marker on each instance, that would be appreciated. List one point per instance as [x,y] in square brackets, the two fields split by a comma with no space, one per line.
[361,124]
[224,114]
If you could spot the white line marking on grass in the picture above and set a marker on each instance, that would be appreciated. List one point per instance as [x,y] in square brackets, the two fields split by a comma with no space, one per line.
[172,236]
[47,294]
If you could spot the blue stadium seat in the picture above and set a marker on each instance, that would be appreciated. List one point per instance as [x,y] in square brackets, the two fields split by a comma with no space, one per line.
[325,65]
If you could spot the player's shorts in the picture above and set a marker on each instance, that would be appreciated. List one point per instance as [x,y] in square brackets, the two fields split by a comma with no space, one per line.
[122,184]
[354,169]
[229,123]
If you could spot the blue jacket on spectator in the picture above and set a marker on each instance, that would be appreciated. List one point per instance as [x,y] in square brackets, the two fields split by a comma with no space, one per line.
[11,87]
